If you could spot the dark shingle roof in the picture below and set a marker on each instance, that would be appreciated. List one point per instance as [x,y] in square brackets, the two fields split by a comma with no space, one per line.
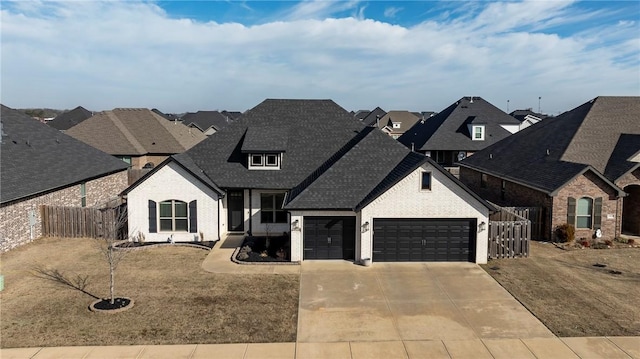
[369,168]
[315,130]
[520,115]
[550,153]
[233,115]
[135,132]
[68,119]
[619,164]
[37,158]
[373,116]
[262,139]
[447,131]
[207,119]
[406,120]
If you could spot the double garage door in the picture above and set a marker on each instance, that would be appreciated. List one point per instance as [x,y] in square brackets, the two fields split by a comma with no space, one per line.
[439,240]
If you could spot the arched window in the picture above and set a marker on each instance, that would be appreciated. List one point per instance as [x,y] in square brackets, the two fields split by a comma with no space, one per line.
[173,216]
[584,212]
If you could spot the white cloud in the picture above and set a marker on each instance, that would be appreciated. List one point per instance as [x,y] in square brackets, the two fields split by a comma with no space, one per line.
[392,11]
[120,54]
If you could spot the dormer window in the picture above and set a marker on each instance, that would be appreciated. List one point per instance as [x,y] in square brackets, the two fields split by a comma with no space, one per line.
[478,133]
[257,160]
[264,161]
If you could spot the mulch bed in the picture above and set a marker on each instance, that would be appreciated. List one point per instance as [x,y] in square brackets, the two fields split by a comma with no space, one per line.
[136,245]
[254,249]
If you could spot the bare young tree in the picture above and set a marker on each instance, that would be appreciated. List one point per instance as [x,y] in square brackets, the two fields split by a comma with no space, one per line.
[108,247]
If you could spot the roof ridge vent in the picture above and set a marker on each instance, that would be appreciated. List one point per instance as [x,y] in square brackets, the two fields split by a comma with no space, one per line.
[471,100]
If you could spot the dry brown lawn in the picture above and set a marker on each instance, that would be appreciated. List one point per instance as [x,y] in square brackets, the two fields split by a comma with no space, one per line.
[176,302]
[570,295]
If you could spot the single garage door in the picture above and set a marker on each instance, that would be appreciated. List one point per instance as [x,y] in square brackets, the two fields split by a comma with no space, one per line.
[329,237]
[427,239]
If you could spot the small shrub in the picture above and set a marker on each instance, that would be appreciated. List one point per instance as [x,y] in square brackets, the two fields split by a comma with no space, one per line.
[608,242]
[585,243]
[565,233]
[631,241]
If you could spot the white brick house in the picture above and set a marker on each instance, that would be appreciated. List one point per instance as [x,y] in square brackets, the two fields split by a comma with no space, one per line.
[351,194]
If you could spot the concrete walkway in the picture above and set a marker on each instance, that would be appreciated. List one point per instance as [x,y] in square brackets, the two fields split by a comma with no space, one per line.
[541,348]
[387,311]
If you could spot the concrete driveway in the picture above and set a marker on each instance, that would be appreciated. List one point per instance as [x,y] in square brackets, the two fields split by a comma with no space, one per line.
[341,302]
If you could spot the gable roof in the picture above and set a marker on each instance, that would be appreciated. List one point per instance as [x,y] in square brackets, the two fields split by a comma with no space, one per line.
[521,115]
[406,120]
[187,164]
[448,130]
[135,132]
[205,120]
[371,165]
[311,130]
[373,116]
[68,119]
[549,154]
[37,158]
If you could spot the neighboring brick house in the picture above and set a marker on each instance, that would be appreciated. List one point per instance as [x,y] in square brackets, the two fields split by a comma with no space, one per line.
[139,137]
[467,126]
[351,193]
[582,168]
[42,166]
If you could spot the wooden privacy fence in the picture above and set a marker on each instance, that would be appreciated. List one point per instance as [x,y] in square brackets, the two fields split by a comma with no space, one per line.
[72,222]
[533,214]
[509,239]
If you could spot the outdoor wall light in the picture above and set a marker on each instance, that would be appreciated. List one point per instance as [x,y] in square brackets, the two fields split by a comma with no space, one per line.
[295,225]
[365,227]
[481,226]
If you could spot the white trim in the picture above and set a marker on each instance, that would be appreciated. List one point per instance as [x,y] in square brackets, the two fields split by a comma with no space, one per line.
[482,132]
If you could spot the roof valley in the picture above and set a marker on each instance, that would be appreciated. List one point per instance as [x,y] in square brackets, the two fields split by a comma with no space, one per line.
[125,131]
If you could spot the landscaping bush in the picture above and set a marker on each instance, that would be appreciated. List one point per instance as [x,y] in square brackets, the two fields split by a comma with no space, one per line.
[608,242]
[585,243]
[565,233]
[631,241]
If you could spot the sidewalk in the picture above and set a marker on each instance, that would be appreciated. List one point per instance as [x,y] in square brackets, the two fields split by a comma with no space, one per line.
[541,348]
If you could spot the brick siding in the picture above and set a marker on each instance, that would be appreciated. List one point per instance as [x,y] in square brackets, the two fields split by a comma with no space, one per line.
[14,217]
[587,185]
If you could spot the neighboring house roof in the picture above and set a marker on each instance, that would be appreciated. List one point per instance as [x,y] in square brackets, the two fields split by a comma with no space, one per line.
[168,116]
[68,119]
[521,115]
[600,135]
[311,131]
[205,120]
[37,158]
[373,116]
[361,114]
[448,130]
[135,132]
[406,120]
[233,115]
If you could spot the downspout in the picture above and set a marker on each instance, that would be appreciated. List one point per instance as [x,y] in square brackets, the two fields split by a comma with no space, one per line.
[250,217]
[219,199]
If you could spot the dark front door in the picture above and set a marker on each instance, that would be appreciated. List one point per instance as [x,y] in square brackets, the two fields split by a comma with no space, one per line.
[235,210]
[424,239]
[329,237]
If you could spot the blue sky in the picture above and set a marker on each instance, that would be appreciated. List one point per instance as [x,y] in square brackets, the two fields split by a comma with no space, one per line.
[416,55]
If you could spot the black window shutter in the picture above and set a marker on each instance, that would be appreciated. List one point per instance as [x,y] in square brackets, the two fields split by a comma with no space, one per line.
[597,213]
[153,220]
[571,211]
[193,217]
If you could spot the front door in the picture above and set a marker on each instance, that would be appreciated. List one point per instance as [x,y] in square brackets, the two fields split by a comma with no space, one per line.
[235,210]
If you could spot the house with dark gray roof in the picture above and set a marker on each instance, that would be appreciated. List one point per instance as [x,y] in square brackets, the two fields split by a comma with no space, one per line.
[68,119]
[582,167]
[208,122]
[372,118]
[527,117]
[138,136]
[339,189]
[43,166]
[466,126]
